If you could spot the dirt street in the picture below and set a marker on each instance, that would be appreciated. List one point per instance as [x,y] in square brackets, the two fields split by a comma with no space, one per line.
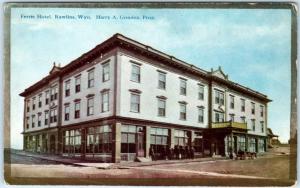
[269,169]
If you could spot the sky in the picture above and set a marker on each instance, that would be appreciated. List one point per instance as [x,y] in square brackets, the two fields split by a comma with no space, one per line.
[251,45]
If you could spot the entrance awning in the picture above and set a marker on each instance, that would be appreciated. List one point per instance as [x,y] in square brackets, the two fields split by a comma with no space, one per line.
[230,126]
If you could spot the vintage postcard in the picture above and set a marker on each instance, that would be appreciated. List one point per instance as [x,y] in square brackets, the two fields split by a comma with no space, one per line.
[200,94]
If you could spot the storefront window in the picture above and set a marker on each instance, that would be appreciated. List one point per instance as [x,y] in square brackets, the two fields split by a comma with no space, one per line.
[99,139]
[241,143]
[261,145]
[251,145]
[159,139]
[181,138]
[72,141]
[198,142]
[128,143]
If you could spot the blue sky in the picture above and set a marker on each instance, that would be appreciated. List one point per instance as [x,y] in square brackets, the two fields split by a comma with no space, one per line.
[251,45]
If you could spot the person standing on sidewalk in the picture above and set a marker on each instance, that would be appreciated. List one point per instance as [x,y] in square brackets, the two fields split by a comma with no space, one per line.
[152,153]
[192,151]
[176,151]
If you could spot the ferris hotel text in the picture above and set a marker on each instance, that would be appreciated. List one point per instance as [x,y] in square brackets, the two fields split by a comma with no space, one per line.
[86,17]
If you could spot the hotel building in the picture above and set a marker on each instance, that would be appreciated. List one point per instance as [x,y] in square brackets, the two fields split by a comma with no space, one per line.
[119,99]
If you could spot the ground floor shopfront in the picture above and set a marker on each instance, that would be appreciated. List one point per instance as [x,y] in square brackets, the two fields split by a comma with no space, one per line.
[115,141]
[229,138]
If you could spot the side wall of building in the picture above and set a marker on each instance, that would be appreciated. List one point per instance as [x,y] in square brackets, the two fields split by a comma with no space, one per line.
[149,93]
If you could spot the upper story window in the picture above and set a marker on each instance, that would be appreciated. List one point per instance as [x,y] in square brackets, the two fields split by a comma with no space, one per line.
[231,117]
[27,122]
[161,80]
[39,119]
[54,91]
[200,114]
[46,117]
[33,103]
[219,97]
[67,112]
[105,72]
[40,100]
[77,84]
[135,73]
[27,105]
[200,92]
[243,104]
[253,124]
[161,107]
[231,101]
[243,119]
[261,111]
[90,106]
[105,101]
[182,114]
[219,117]
[252,108]
[182,87]
[91,78]
[53,115]
[77,110]
[262,126]
[67,88]
[135,102]
[47,97]
[32,121]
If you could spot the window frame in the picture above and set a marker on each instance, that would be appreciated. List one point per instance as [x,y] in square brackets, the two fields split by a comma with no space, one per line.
[105,72]
[138,102]
[200,92]
[253,125]
[40,100]
[182,86]
[77,84]
[252,108]
[77,111]
[39,119]
[162,82]
[91,78]
[32,121]
[67,88]
[243,105]
[105,101]
[218,117]
[47,97]
[46,120]
[159,109]
[135,75]
[67,112]
[90,106]
[182,111]
[219,97]
[231,101]
[200,115]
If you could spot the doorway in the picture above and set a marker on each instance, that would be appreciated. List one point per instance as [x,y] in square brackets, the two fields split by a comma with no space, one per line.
[52,144]
[140,144]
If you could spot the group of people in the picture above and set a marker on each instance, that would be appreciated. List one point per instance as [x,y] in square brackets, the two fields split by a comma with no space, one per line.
[168,153]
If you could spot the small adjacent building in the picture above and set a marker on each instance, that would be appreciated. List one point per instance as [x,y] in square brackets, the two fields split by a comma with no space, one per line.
[122,97]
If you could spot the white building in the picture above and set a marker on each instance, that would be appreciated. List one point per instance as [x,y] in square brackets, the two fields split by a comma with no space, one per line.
[121,98]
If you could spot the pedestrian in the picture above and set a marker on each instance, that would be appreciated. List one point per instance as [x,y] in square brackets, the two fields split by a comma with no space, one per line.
[168,153]
[180,152]
[176,151]
[171,153]
[152,153]
[192,153]
[187,152]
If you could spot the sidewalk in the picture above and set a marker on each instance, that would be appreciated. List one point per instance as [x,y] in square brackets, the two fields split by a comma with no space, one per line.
[122,165]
